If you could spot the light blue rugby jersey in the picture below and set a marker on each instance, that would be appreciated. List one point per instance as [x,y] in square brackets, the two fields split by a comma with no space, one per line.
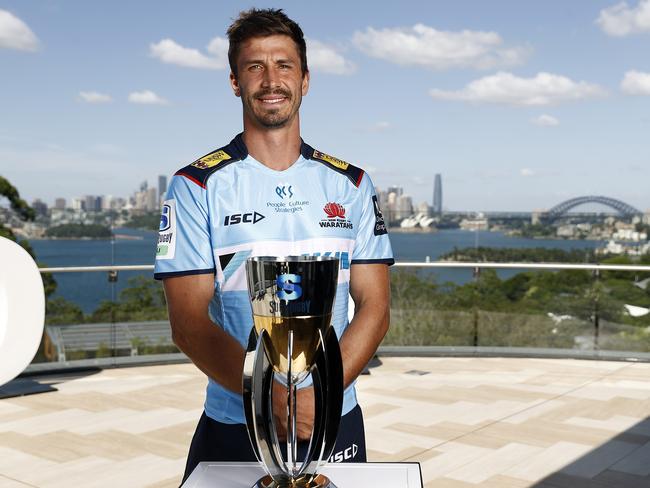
[226,207]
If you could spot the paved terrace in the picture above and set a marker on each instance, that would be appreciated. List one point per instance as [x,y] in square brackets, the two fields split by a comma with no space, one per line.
[475,422]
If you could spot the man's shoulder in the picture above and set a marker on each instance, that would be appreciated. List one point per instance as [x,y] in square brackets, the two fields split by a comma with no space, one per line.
[352,172]
[201,169]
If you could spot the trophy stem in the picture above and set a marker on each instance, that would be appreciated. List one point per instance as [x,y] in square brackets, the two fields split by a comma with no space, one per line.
[292,433]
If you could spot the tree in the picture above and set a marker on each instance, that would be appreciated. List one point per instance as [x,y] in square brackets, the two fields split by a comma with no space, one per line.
[143,300]
[25,213]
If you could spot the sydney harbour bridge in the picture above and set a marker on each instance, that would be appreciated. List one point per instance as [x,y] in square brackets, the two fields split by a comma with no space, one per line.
[559,210]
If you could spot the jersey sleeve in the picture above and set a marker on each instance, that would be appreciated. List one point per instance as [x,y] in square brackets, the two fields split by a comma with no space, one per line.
[372,244]
[184,245]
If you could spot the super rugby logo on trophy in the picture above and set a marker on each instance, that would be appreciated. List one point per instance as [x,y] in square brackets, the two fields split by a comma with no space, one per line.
[292,300]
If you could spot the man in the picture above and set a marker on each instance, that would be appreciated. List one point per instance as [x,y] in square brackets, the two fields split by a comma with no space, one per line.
[268,193]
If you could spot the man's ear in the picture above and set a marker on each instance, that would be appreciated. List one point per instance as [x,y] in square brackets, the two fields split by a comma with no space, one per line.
[234,84]
[305,83]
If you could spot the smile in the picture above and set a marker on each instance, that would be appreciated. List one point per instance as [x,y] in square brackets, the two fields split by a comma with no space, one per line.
[272,100]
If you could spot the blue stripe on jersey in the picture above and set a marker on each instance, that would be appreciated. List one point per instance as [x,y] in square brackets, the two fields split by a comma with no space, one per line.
[237,260]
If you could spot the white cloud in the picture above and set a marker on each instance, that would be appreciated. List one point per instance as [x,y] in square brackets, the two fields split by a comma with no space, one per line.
[15,34]
[381,126]
[146,97]
[170,52]
[545,120]
[620,20]
[325,58]
[94,97]
[527,172]
[425,46]
[636,83]
[106,148]
[508,89]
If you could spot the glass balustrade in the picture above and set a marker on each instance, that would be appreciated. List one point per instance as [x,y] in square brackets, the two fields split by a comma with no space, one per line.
[117,314]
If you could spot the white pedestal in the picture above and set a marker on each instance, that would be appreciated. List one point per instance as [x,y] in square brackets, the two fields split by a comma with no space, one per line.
[344,475]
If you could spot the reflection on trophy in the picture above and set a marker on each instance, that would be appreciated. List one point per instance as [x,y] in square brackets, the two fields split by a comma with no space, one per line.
[292,300]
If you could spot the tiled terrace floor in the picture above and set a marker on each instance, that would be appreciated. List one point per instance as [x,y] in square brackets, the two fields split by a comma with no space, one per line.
[476,422]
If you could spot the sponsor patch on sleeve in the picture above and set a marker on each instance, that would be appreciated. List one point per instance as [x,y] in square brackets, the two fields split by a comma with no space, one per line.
[211,160]
[339,163]
[167,233]
[380,225]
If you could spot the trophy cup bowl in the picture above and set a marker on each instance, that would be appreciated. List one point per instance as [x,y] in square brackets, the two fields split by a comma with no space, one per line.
[292,300]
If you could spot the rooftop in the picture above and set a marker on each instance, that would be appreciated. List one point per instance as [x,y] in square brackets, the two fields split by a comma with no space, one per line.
[470,422]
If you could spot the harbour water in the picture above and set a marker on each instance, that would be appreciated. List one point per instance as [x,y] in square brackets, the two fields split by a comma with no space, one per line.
[89,289]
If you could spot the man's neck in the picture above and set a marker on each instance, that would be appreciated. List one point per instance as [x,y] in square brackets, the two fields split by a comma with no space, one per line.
[278,148]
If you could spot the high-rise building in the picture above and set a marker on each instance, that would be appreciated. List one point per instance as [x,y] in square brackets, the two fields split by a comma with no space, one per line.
[59,203]
[39,207]
[397,190]
[151,201]
[78,204]
[403,207]
[162,185]
[437,195]
[107,202]
[92,203]
[118,203]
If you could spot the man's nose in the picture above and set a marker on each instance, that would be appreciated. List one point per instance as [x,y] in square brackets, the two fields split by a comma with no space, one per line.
[271,78]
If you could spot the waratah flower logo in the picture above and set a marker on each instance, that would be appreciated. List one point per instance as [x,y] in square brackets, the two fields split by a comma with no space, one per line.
[334,210]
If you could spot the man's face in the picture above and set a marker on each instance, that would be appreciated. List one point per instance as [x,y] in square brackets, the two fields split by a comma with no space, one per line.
[269,80]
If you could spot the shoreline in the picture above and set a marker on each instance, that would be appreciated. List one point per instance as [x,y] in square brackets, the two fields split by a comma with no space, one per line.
[412,230]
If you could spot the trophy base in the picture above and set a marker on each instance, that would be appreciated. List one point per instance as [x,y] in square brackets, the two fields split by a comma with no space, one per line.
[319,481]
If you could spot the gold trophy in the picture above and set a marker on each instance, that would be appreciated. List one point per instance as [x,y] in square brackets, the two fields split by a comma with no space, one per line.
[292,300]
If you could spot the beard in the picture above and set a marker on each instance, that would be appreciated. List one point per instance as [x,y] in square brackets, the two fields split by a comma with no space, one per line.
[271,118]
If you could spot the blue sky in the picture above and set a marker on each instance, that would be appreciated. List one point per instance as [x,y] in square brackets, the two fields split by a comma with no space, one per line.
[520,105]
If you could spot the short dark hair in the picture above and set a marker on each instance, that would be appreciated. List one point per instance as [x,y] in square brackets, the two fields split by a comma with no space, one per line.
[263,23]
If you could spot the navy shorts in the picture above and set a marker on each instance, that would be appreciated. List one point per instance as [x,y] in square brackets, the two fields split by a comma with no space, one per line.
[215,441]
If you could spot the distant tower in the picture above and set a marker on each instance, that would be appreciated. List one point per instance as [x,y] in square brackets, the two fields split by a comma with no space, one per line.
[162,185]
[437,195]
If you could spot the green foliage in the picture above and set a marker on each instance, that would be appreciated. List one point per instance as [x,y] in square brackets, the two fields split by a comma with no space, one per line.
[143,300]
[25,212]
[552,309]
[60,311]
[143,347]
[536,230]
[148,221]
[67,231]
[520,255]
[103,351]
[18,205]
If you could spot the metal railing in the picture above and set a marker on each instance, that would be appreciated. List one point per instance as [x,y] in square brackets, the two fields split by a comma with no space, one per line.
[469,316]
[400,264]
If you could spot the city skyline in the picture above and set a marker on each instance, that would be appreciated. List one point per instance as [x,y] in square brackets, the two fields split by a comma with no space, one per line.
[519,106]
[402,204]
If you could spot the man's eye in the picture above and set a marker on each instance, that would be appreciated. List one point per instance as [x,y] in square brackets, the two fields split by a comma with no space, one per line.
[255,67]
[285,66]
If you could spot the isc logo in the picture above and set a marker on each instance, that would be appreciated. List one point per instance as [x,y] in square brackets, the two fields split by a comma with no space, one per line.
[344,455]
[246,218]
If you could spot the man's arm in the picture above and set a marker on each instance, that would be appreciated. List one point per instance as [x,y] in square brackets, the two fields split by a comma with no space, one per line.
[211,349]
[370,290]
